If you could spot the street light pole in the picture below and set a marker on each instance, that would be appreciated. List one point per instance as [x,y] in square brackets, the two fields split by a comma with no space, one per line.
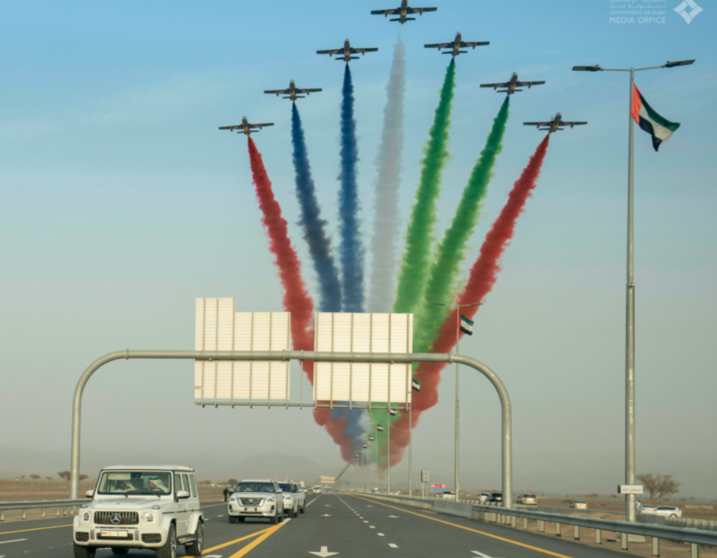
[630,295]
[457,466]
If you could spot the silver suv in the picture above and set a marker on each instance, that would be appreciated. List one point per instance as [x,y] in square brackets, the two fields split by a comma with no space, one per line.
[294,499]
[261,498]
[146,507]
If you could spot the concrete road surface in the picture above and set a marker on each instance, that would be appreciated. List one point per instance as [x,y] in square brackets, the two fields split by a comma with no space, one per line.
[341,526]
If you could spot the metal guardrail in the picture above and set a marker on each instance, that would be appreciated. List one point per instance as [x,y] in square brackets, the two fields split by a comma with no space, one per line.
[694,537]
[64,507]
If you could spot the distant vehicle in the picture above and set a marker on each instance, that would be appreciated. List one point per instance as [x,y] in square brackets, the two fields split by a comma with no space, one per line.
[294,499]
[483,498]
[292,92]
[317,489]
[495,498]
[256,498]
[346,52]
[673,512]
[579,505]
[554,125]
[456,45]
[141,507]
[374,490]
[448,495]
[402,12]
[528,499]
[512,85]
[647,508]
[245,127]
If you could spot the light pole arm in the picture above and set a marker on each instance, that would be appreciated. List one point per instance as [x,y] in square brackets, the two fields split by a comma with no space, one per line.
[506,413]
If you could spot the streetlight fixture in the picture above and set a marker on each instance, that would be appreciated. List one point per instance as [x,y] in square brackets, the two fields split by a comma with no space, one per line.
[457,471]
[630,311]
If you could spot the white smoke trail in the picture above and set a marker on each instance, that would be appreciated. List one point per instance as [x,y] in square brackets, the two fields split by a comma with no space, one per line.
[388,165]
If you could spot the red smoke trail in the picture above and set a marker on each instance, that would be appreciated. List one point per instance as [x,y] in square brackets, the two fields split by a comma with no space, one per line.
[297,300]
[483,276]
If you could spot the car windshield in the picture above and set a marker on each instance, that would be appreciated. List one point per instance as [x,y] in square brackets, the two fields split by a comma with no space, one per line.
[135,482]
[285,487]
[255,487]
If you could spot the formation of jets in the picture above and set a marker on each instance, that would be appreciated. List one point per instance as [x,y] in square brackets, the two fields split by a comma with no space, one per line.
[245,127]
[403,12]
[456,45]
[346,52]
[292,92]
[554,125]
[511,86]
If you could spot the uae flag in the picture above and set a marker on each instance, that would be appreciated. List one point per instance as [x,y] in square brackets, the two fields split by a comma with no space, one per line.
[466,325]
[379,427]
[657,126]
[365,445]
[415,385]
[370,438]
[392,411]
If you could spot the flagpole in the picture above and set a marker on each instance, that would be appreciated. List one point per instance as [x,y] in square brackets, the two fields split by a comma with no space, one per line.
[410,439]
[388,447]
[458,409]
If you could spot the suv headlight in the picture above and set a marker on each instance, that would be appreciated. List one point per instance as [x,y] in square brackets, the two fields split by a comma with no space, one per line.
[150,517]
[271,500]
[86,516]
[232,499]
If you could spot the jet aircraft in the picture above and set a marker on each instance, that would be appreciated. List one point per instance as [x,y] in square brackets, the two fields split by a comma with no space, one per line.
[512,85]
[245,127]
[346,52]
[402,12]
[292,92]
[554,125]
[456,45]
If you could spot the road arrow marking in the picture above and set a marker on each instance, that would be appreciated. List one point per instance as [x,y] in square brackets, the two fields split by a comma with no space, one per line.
[324,553]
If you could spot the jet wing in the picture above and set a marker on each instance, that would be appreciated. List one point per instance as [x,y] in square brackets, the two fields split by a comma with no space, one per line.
[386,12]
[528,83]
[363,50]
[495,85]
[264,125]
[231,128]
[308,90]
[331,51]
[465,44]
[538,124]
[278,91]
[439,46]
[571,124]
[419,10]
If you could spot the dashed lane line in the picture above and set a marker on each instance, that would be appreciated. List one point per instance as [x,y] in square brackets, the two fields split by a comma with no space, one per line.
[15,540]
[541,550]
[393,545]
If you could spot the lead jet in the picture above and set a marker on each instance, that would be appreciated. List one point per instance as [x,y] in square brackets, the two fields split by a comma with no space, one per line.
[402,12]
[346,52]
[456,46]
[292,92]
[554,125]
[245,127]
[512,85]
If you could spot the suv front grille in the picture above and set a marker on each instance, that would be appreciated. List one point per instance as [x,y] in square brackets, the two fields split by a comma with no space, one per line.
[116,518]
[82,537]
[151,538]
[250,501]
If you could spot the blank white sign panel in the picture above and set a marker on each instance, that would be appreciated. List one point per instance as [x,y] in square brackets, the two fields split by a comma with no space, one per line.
[220,328]
[363,333]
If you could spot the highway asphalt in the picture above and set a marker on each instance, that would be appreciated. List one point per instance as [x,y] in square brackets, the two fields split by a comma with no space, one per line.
[333,525]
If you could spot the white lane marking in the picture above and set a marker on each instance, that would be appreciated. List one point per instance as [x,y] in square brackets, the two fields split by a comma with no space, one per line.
[12,541]
[369,506]
[371,527]
[393,545]
[324,552]
[327,505]
[365,521]
[326,515]
[212,556]
[394,516]
[380,534]
[312,501]
[480,554]
[220,516]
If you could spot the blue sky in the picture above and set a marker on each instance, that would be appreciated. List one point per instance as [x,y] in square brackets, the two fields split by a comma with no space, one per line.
[120,202]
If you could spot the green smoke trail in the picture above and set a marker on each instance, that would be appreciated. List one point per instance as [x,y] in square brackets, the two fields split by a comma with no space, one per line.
[419,237]
[441,284]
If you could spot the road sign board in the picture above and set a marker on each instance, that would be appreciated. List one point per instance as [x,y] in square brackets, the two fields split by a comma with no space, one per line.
[630,489]
[425,476]
[438,488]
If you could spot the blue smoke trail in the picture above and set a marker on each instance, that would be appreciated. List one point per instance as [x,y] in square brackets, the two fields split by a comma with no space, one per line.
[313,226]
[350,248]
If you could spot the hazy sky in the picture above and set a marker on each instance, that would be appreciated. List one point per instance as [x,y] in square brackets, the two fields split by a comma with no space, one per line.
[121,202]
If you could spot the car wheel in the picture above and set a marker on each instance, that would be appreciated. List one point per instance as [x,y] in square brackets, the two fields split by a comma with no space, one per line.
[673,516]
[233,519]
[275,519]
[119,550]
[84,551]
[169,549]
[303,509]
[281,518]
[241,519]
[195,549]
[293,513]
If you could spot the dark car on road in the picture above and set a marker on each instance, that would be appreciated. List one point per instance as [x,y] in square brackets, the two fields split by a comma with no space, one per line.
[495,498]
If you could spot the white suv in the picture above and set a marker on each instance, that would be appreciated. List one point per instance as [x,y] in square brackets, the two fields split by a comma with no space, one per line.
[256,498]
[147,507]
[294,499]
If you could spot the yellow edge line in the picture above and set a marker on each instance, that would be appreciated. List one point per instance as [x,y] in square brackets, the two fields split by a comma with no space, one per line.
[35,529]
[235,541]
[248,548]
[469,529]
